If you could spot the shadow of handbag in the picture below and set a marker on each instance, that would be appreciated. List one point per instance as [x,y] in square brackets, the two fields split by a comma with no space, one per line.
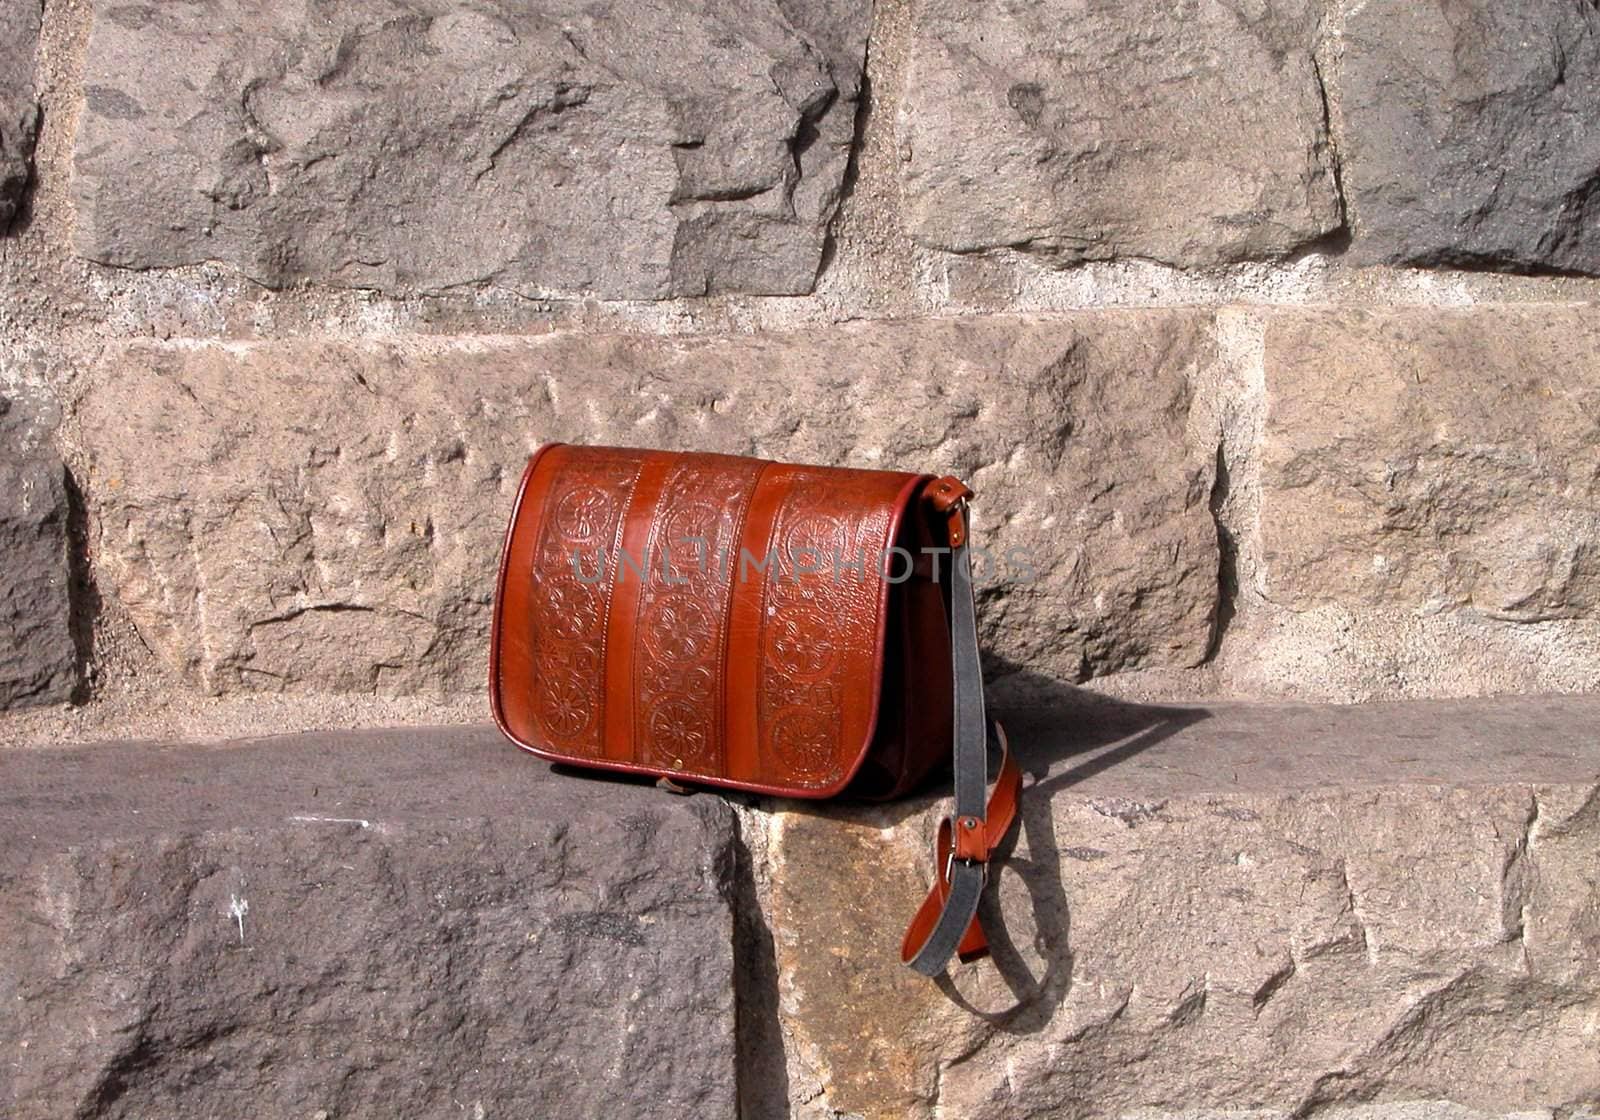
[795,631]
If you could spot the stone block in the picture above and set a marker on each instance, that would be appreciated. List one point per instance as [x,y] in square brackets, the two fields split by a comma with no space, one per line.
[1189,133]
[19,104]
[1434,460]
[622,150]
[1240,910]
[37,655]
[417,923]
[309,516]
[1469,135]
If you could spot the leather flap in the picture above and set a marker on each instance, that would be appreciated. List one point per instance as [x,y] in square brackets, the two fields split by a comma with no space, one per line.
[709,617]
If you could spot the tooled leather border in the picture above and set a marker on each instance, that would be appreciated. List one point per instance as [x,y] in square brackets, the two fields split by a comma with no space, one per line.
[496,705]
[903,501]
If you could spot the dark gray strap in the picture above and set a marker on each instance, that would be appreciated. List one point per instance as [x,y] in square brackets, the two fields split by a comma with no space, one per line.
[966,888]
[971,767]
[971,726]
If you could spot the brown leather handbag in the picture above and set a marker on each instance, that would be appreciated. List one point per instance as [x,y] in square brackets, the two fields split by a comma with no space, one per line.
[789,630]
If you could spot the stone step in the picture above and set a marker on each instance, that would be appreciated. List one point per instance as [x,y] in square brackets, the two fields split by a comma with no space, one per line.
[1281,907]
[385,924]
[1373,911]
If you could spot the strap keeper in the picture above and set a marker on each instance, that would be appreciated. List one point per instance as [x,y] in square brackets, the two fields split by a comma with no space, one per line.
[947,922]
[948,495]
[971,840]
[948,492]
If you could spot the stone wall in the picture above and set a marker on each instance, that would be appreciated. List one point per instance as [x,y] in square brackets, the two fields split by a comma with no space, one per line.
[1266,328]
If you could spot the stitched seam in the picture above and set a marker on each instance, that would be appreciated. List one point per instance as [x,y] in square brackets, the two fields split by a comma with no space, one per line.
[641,749]
[605,615]
[726,635]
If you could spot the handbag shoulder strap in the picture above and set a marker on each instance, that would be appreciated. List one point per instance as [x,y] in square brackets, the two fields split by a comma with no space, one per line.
[947,920]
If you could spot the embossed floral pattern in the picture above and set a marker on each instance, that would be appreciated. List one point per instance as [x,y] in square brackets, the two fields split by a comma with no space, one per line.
[814,629]
[803,739]
[680,732]
[580,515]
[799,650]
[566,704]
[678,628]
[584,515]
[811,611]
[682,612]
[573,607]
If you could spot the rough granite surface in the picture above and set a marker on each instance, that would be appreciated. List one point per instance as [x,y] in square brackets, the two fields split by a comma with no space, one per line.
[37,653]
[417,923]
[1390,908]
[1189,133]
[290,516]
[1470,132]
[19,104]
[1434,460]
[625,150]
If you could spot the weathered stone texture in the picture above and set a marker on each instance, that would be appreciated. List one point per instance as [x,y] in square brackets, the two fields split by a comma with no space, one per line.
[294,515]
[1417,1109]
[37,659]
[1434,459]
[1191,133]
[1284,908]
[19,105]
[360,925]
[414,145]
[1469,132]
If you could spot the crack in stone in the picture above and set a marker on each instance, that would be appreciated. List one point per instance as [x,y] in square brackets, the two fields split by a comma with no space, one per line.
[329,608]
[1339,237]
[1192,1005]
[1353,906]
[1272,985]
[1227,556]
[1517,876]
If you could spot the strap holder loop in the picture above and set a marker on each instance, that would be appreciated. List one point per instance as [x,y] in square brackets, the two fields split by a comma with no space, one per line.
[949,496]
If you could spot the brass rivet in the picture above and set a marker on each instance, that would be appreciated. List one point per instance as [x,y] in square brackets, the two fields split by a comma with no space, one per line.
[677,764]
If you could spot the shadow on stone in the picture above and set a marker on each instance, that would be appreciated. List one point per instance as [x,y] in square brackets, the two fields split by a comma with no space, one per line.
[763,1076]
[85,604]
[1051,722]
[1062,735]
[16,190]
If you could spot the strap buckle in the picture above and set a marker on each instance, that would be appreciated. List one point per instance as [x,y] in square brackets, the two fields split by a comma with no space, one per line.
[969,843]
[946,922]
[952,859]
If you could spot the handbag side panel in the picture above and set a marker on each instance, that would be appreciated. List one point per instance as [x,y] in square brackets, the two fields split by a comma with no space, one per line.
[706,617]
[915,716]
